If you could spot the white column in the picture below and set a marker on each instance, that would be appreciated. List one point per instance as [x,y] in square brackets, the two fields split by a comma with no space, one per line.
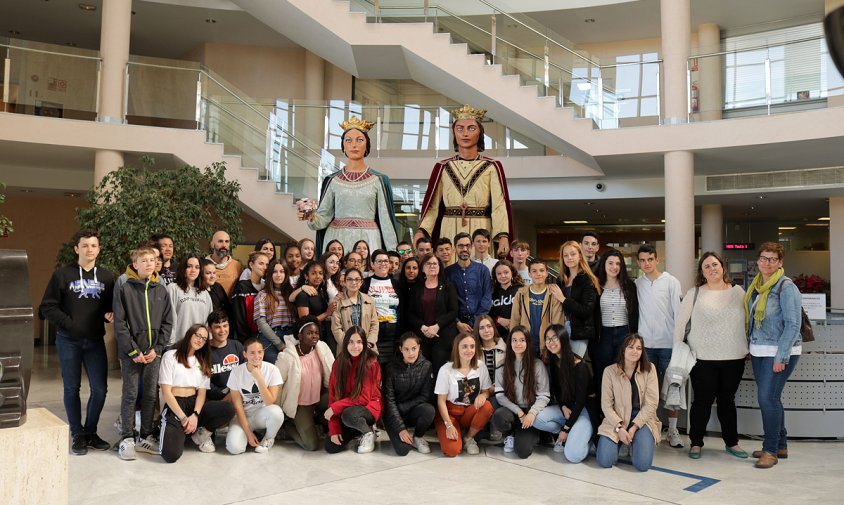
[709,75]
[680,217]
[711,228]
[836,249]
[676,32]
[313,125]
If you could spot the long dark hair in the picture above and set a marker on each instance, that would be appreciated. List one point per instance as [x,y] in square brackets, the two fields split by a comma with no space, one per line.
[564,363]
[528,369]
[404,282]
[700,279]
[284,292]
[517,279]
[343,365]
[182,275]
[335,279]
[303,276]
[367,259]
[628,287]
[203,354]
[260,244]
[644,362]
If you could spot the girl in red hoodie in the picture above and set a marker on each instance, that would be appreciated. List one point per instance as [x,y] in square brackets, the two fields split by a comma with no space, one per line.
[354,397]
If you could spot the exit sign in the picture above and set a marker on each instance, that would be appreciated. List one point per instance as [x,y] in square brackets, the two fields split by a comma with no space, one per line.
[738,245]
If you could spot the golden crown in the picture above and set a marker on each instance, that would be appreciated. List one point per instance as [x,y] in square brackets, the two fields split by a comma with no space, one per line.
[467,112]
[356,123]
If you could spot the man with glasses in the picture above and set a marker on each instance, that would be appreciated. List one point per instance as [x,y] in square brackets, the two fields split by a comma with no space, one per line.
[405,250]
[384,290]
[473,283]
[659,303]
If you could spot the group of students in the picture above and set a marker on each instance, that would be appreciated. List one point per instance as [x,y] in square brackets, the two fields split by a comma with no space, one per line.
[475,346]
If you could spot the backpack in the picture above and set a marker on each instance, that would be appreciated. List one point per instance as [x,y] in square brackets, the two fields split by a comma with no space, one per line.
[807,334]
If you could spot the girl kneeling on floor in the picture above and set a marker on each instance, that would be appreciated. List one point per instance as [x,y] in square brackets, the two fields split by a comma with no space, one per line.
[254,387]
[354,397]
[185,377]
[521,388]
[629,397]
[408,385]
[463,388]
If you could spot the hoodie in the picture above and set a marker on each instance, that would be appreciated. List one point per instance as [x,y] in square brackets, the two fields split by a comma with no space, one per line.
[143,318]
[77,300]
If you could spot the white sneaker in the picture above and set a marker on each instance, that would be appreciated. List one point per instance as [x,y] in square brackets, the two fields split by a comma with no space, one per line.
[203,439]
[148,445]
[265,446]
[367,443]
[127,449]
[674,439]
[471,446]
[421,445]
[509,441]
[558,446]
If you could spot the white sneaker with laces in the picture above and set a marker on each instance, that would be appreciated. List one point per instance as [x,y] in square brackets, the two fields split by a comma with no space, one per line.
[674,439]
[558,446]
[471,446]
[367,443]
[509,441]
[265,445]
[148,445]
[421,445]
[127,449]
[203,439]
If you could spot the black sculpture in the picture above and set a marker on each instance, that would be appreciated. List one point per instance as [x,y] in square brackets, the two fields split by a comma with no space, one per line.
[17,343]
[834,28]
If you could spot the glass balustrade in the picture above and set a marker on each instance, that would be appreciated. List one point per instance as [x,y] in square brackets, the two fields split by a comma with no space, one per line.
[51,81]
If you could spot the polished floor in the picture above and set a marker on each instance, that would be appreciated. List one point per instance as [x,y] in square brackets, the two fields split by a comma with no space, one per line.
[812,474]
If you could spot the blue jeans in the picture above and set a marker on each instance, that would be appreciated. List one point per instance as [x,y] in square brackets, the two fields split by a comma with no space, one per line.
[660,358]
[271,352]
[769,386]
[73,354]
[577,346]
[641,450]
[551,419]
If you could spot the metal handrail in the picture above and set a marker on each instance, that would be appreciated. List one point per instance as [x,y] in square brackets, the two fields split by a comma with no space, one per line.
[756,48]
[54,53]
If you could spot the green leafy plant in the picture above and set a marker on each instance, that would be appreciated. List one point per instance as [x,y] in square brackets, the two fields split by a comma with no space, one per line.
[131,204]
[6,226]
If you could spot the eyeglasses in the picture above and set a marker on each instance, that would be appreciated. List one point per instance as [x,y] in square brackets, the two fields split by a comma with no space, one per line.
[199,337]
[404,251]
[353,280]
[548,340]
[432,264]
[768,259]
[382,261]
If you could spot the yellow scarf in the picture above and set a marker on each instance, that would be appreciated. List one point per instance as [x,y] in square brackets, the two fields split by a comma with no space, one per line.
[763,290]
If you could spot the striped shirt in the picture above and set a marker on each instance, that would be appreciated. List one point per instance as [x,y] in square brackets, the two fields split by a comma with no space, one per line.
[280,318]
[613,308]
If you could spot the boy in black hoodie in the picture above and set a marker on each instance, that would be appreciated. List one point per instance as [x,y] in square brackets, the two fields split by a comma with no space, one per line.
[142,324]
[78,301]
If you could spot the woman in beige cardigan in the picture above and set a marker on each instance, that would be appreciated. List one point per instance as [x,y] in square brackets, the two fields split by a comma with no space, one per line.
[629,397]
[355,309]
[538,292]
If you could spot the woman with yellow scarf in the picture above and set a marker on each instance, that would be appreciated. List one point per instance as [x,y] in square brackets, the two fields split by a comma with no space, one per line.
[773,306]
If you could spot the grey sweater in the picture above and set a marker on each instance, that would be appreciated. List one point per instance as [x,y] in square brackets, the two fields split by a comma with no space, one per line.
[543,394]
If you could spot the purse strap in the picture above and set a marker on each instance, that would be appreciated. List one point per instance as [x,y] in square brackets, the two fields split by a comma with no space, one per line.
[689,322]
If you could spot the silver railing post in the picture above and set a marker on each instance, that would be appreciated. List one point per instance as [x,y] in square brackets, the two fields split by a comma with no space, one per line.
[99,84]
[7,70]
[125,93]
[493,28]
[197,112]
[658,95]
[601,100]
[688,92]
[437,134]
[547,64]
[425,9]
[768,84]
[377,8]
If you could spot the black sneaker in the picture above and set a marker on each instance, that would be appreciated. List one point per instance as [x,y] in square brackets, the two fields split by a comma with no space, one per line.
[97,443]
[79,445]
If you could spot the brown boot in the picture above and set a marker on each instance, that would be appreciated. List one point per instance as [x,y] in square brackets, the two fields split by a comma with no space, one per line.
[781,454]
[766,460]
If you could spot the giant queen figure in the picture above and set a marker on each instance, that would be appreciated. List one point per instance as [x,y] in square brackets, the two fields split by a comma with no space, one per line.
[467,191]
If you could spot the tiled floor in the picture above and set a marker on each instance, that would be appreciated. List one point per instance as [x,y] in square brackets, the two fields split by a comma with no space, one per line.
[812,474]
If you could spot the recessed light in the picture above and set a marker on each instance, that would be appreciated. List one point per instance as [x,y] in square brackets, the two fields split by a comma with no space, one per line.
[762,197]
[818,225]
[787,228]
[211,21]
[70,194]
[88,7]
[823,219]
[576,222]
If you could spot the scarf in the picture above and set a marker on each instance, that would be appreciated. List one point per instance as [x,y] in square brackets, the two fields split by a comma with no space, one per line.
[764,290]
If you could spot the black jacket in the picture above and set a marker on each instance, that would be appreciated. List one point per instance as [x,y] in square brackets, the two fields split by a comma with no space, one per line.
[76,301]
[405,387]
[446,312]
[580,307]
[143,318]
[243,307]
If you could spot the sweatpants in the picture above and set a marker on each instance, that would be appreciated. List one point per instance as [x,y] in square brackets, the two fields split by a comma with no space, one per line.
[356,421]
[215,414]
[148,375]
[268,418]
[505,421]
[420,418]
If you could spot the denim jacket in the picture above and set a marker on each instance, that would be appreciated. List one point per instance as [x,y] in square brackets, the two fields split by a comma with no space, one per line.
[781,326]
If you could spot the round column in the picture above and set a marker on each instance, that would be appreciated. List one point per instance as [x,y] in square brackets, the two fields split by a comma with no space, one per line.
[711,228]
[680,216]
[676,31]
[709,75]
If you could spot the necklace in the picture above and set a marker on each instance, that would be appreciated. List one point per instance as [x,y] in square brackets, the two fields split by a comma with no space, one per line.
[301,353]
[357,175]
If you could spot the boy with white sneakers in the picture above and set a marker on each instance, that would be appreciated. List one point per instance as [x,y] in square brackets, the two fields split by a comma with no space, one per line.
[255,386]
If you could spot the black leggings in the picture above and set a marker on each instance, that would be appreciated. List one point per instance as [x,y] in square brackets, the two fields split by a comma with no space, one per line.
[505,421]
[215,414]
[421,417]
[356,421]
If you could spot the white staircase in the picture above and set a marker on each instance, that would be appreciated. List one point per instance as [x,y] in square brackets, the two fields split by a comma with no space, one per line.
[413,51]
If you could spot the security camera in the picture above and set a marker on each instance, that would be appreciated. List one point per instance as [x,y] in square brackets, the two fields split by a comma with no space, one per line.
[600,187]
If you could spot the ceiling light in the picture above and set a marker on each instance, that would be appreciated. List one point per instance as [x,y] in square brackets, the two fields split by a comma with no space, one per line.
[88,7]
[70,194]
[818,225]
[662,221]
[762,197]
[787,228]
[576,222]
[823,219]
